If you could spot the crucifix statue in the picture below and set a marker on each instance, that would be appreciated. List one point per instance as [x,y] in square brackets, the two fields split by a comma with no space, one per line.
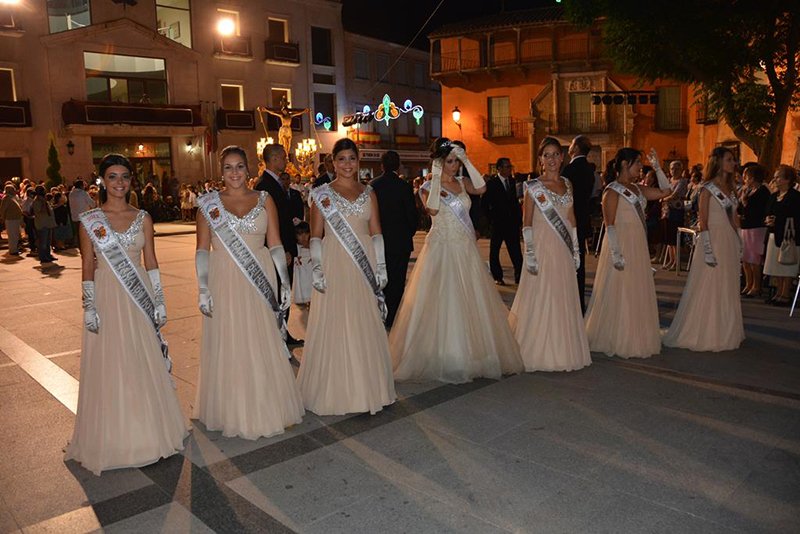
[285,115]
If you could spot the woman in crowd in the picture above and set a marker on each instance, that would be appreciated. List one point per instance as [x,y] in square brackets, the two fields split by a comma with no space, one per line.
[622,317]
[546,317]
[753,211]
[452,324]
[11,215]
[783,206]
[128,415]
[45,222]
[674,212]
[246,386]
[652,214]
[709,316]
[346,366]
[62,234]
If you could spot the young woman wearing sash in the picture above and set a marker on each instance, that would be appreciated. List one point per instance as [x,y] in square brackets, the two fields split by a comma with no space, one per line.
[246,386]
[346,366]
[128,415]
[452,324]
[546,317]
[622,317]
[709,316]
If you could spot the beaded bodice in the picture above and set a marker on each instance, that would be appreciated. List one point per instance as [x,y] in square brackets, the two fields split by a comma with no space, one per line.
[128,238]
[562,203]
[445,224]
[356,208]
[247,224]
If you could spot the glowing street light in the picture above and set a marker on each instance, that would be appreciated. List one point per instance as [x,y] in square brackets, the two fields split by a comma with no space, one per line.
[226,26]
[9,2]
[457,117]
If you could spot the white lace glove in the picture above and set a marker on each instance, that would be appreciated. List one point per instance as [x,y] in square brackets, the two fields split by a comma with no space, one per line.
[708,252]
[318,275]
[90,318]
[616,255]
[474,176]
[158,293]
[531,265]
[436,186]
[205,301]
[279,259]
[576,251]
[663,181]
[380,260]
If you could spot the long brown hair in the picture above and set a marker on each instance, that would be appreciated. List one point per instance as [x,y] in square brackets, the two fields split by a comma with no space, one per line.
[714,167]
[546,142]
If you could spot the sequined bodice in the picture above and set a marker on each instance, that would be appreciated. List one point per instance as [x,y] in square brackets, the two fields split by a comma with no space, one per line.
[446,225]
[252,226]
[132,240]
[356,212]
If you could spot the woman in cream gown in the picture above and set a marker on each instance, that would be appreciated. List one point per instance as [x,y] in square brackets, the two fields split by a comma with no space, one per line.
[452,324]
[246,386]
[546,317]
[622,317]
[346,366]
[128,415]
[709,316]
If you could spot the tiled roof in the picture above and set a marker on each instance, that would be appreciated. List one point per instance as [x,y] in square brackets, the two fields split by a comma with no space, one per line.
[509,19]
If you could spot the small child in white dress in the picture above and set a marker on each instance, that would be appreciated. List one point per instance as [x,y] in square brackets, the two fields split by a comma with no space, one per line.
[301,287]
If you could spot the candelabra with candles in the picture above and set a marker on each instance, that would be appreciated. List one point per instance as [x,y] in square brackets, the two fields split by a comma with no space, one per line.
[304,154]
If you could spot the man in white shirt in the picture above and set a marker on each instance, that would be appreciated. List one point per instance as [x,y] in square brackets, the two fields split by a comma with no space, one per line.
[79,201]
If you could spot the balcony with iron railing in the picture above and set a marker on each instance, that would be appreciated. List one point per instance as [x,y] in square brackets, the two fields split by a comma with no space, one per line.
[503,127]
[579,123]
[671,119]
[134,114]
[234,119]
[235,47]
[704,115]
[282,53]
[15,114]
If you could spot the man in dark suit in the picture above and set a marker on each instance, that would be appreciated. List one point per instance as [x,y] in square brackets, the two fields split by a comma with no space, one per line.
[502,207]
[581,174]
[329,175]
[274,164]
[398,213]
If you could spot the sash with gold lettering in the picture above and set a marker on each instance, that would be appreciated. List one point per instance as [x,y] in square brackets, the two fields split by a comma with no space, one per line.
[633,199]
[455,205]
[214,211]
[725,202]
[326,204]
[542,200]
[107,245]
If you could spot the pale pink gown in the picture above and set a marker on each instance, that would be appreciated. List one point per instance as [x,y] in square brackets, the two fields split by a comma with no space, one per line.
[546,317]
[346,366]
[128,415]
[709,316]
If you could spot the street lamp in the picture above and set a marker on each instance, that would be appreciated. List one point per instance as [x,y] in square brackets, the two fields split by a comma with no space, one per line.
[226,26]
[457,117]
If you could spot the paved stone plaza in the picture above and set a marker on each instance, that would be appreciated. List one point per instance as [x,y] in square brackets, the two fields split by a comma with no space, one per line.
[681,442]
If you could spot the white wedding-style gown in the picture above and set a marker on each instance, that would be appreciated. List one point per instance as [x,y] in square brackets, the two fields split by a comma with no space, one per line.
[452,324]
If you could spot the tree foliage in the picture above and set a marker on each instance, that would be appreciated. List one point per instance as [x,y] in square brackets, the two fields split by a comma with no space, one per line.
[53,170]
[741,54]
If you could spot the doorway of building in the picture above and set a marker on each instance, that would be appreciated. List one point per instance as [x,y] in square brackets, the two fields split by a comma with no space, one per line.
[151,157]
[10,168]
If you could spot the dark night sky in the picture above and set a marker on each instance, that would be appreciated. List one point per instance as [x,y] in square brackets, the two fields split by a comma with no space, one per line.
[399,20]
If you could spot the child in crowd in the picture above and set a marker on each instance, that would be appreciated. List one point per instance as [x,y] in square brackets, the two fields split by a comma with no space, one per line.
[301,290]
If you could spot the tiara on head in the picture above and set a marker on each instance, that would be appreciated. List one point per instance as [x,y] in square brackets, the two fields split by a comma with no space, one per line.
[446,144]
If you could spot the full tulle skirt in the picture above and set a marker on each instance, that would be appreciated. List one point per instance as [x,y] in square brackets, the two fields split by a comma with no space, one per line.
[128,414]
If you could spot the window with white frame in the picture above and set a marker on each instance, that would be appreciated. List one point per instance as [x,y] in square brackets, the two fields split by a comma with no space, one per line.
[232,96]
[174,20]
[232,15]
[278,94]
[65,15]
[278,30]
[8,91]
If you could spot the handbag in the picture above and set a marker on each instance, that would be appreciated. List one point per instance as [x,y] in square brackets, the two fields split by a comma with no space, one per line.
[787,255]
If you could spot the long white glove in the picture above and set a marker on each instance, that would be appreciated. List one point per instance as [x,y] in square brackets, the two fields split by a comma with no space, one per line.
[205,301]
[158,292]
[436,186]
[279,259]
[576,251]
[663,181]
[90,318]
[318,275]
[616,255]
[474,176]
[380,260]
[708,252]
[531,265]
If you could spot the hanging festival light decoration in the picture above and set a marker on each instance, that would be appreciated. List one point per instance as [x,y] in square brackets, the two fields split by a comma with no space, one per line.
[326,122]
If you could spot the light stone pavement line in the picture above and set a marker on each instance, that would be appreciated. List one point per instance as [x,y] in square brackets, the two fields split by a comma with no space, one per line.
[49,303]
[50,376]
[68,353]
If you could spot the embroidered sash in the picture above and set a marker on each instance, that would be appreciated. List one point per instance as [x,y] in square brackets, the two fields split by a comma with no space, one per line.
[456,206]
[326,204]
[632,199]
[214,211]
[542,200]
[106,244]
[725,202]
